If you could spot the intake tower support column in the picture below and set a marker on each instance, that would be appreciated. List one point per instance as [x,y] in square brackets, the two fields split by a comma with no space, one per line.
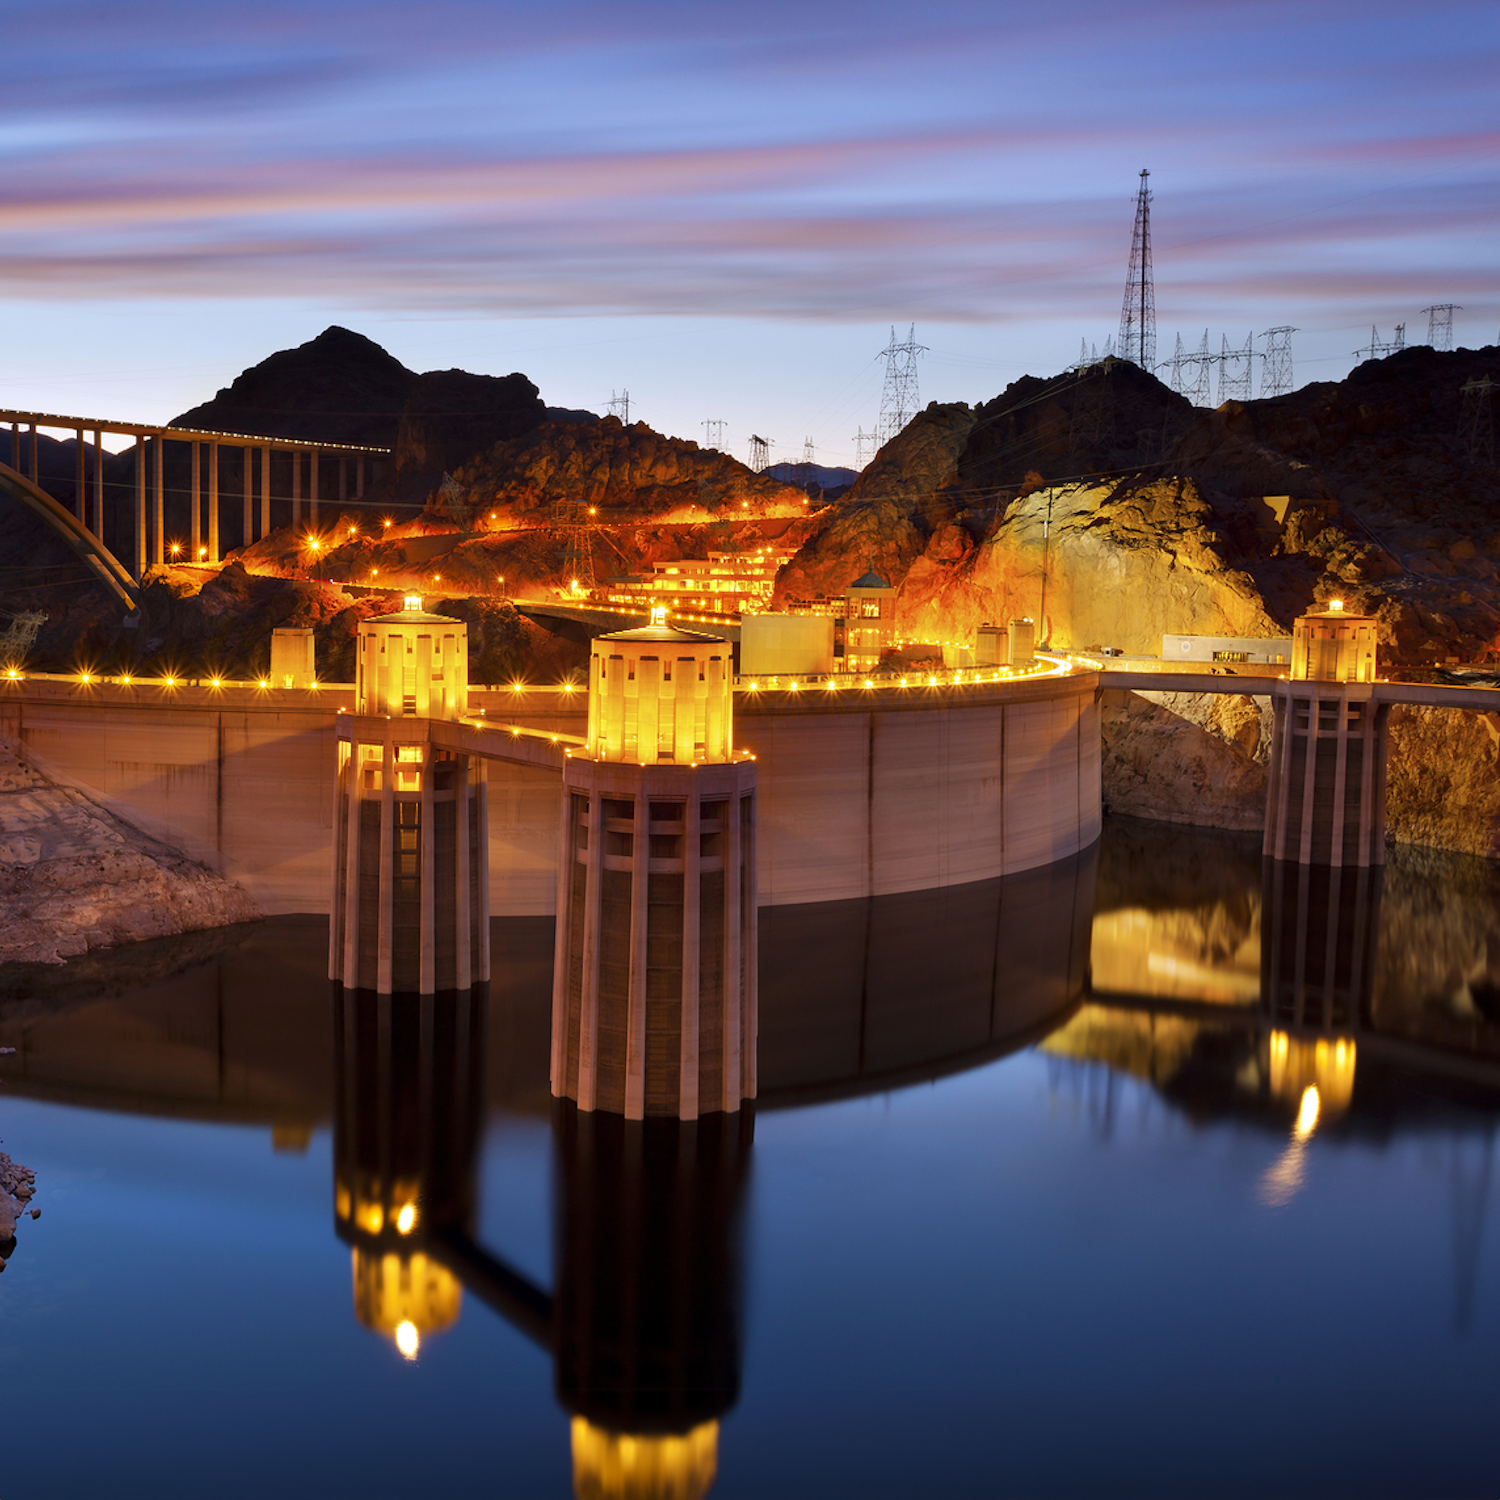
[654,982]
[1325,800]
[410,907]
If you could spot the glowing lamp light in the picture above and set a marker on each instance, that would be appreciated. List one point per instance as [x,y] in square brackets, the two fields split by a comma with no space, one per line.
[1336,604]
[388,522]
[84,677]
[263,683]
[203,552]
[658,614]
[171,682]
[216,682]
[406,1220]
[413,602]
[124,681]
[11,672]
[567,687]
[176,548]
[408,1341]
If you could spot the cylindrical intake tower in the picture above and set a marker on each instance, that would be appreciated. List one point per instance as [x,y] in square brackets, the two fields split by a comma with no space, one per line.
[654,984]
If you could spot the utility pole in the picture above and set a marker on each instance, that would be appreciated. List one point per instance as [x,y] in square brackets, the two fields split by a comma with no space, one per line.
[1137,340]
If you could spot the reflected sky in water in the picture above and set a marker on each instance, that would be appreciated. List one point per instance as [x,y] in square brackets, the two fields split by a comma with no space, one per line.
[967,1257]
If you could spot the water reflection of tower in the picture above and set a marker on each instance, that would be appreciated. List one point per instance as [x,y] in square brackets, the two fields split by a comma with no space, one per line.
[409,1091]
[647,1310]
[644,1321]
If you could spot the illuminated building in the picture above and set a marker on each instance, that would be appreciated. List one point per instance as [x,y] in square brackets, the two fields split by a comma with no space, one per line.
[1325,801]
[1333,645]
[292,658]
[410,908]
[869,623]
[728,583]
[653,1006]
[1021,643]
[771,644]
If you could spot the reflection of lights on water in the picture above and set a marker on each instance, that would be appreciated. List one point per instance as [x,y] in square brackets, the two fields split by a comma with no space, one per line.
[406,1219]
[407,1339]
[1283,1179]
[1307,1113]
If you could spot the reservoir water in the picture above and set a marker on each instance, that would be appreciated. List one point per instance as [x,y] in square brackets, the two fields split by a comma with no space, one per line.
[1156,1172]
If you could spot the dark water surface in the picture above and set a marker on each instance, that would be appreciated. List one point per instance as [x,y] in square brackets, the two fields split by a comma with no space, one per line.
[1154,1173]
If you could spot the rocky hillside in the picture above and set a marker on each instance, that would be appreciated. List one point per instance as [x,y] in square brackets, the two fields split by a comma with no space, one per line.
[619,471]
[1146,515]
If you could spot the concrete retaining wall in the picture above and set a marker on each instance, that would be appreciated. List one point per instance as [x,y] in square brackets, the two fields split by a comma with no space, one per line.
[859,796]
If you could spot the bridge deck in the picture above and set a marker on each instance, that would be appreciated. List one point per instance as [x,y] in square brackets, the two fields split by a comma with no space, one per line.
[1415,694]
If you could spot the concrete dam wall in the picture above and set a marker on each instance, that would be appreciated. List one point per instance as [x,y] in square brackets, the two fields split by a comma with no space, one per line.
[861,794]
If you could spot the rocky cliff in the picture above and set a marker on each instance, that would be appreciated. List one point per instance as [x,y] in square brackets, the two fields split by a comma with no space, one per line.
[75,877]
[1144,515]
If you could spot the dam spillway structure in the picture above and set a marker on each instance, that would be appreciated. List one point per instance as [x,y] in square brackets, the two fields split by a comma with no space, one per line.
[410,900]
[654,979]
[1325,802]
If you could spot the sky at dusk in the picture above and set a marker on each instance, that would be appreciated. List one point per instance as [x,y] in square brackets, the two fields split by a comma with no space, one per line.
[724,208]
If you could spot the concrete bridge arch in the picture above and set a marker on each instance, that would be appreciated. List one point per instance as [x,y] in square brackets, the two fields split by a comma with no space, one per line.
[109,570]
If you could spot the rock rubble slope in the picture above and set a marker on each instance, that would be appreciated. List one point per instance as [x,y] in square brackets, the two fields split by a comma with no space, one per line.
[74,877]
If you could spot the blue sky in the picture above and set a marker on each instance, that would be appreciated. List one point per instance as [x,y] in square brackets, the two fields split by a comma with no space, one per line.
[724,208]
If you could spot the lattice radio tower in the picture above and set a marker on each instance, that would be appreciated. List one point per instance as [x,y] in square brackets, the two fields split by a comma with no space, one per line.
[900,398]
[713,433]
[1137,341]
[619,406]
[760,452]
[1276,371]
[1440,324]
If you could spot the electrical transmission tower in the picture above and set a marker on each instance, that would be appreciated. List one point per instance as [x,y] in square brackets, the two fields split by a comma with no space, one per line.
[1379,348]
[1203,374]
[1440,324]
[570,521]
[864,442]
[1138,315]
[899,399]
[1178,365]
[760,453]
[713,433]
[809,463]
[1235,369]
[619,406]
[1276,371]
[1476,423]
